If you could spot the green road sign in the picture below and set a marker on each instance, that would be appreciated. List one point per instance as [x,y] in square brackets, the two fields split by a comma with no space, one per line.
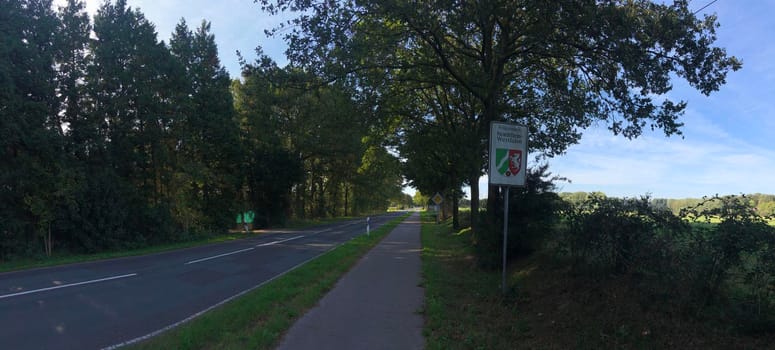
[246,217]
[249,216]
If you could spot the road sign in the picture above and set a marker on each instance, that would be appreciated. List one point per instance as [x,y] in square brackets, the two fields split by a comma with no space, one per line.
[508,154]
[437,198]
[508,164]
[249,216]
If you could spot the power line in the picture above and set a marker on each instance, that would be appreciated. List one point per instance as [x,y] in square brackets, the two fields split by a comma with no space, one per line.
[704,7]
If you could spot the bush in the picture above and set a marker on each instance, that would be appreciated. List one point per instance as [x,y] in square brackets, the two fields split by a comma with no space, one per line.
[621,235]
[734,258]
[533,217]
[716,259]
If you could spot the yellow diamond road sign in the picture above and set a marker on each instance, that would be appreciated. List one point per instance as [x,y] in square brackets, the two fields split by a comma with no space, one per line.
[437,198]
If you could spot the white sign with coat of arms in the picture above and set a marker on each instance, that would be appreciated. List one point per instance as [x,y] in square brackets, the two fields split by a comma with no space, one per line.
[508,154]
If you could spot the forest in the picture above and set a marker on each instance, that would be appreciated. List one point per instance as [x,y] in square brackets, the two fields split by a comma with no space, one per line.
[113,139]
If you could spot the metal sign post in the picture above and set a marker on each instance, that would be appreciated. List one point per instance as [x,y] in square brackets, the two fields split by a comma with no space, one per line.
[505,236]
[508,163]
[438,199]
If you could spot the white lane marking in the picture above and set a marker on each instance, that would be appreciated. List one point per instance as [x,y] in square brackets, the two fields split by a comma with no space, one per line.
[280,241]
[67,285]
[338,227]
[224,301]
[218,256]
[343,225]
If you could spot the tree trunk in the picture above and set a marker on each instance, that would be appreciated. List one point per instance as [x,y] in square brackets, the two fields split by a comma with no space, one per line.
[48,242]
[333,203]
[311,198]
[492,203]
[346,195]
[490,115]
[474,181]
[455,211]
[321,198]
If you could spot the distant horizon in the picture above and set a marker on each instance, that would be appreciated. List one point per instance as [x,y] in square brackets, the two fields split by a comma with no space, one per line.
[483,193]
[566,187]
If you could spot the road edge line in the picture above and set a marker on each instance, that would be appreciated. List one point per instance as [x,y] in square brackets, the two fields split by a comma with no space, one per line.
[224,301]
[209,308]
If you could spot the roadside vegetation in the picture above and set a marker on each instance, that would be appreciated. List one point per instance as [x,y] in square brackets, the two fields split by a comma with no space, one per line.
[603,273]
[259,319]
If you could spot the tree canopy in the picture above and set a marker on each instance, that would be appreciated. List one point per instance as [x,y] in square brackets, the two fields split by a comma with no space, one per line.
[556,67]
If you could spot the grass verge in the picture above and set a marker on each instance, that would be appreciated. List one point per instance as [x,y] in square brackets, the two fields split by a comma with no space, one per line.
[258,319]
[463,305]
[549,306]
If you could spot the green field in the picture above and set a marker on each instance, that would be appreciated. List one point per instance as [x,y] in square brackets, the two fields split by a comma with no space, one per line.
[717,220]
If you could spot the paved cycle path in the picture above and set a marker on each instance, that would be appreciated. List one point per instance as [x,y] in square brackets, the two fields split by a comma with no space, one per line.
[376,305]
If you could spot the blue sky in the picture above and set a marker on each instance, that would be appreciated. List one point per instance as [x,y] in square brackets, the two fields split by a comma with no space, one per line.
[729,137]
[237,25]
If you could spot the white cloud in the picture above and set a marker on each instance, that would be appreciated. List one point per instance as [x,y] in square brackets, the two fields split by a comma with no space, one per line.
[667,167]
[708,161]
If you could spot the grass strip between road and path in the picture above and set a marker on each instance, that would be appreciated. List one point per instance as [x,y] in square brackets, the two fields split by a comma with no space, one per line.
[56,260]
[258,319]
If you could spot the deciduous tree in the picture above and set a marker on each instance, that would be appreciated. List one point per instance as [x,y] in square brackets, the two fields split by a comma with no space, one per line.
[556,67]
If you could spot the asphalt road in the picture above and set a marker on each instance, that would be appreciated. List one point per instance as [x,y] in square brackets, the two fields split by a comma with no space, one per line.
[109,303]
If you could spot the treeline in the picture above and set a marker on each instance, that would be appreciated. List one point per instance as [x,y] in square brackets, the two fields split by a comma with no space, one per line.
[764,204]
[111,138]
